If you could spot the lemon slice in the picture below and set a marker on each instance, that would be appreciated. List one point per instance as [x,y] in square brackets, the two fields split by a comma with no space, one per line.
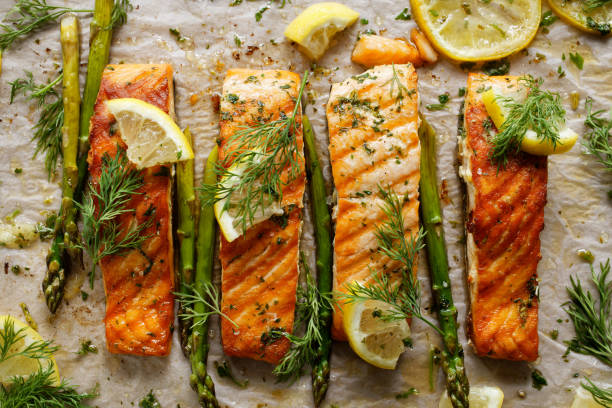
[531,142]
[584,399]
[376,341]
[21,365]
[477,30]
[314,28]
[480,397]
[151,135]
[227,210]
[597,20]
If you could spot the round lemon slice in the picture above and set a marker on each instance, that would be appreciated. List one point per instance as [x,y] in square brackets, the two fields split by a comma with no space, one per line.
[17,365]
[151,135]
[476,30]
[227,210]
[376,341]
[531,142]
[314,28]
[596,20]
[480,397]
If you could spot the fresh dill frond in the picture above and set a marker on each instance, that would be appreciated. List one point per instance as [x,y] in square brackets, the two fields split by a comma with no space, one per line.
[48,129]
[39,391]
[600,395]
[590,5]
[9,338]
[263,152]
[27,16]
[405,297]
[304,349]
[597,140]
[102,235]
[591,316]
[209,297]
[541,112]
[395,84]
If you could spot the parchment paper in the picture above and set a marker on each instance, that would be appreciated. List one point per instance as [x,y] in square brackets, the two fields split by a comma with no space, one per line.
[577,214]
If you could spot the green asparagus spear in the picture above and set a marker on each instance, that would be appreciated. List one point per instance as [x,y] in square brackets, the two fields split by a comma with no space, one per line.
[186,199]
[99,48]
[457,384]
[200,381]
[323,240]
[66,232]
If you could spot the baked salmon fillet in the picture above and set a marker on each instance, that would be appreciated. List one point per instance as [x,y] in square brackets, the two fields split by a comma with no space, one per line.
[373,141]
[260,268]
[138,283]
[504,218]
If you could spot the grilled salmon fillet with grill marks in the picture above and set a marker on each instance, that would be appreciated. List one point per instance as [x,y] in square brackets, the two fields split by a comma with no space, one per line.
[504,218]
[138,283]
[373,141]
[260,268]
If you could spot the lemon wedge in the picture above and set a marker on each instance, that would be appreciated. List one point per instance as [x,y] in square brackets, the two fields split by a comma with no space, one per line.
[531,142]
[151,135]
[480,397]
[376,341]
[476,30]
[597,20]
[22,365]
[227,211]
[314,28]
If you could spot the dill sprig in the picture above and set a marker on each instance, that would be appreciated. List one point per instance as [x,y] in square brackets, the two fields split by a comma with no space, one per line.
[48,129]
[591,319]
[39,391]
[262,152]
[590,5]
[27,16]
[600,395]
[541,112]
[9,337]
[309,312]
[209,297]
[395,84]
[102,235]
[597,140]
[405,297]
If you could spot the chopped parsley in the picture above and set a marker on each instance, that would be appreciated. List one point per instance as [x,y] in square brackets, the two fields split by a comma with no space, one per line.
[404,15]
[577,60]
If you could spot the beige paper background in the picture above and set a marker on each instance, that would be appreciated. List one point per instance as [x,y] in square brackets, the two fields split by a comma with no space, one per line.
[577,215]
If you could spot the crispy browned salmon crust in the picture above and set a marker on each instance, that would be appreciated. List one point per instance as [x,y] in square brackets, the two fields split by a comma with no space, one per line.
[373,141]
[504,219]
[260,269]
[138,283]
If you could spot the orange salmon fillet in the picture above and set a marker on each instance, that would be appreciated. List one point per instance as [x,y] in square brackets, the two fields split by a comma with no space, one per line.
[505,215]
[260,269]
[372,50]
[138,283]
[373,141]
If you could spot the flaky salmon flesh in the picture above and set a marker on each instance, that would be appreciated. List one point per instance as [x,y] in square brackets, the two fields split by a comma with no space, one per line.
[260,268]
[504,218]
[138,283]
[373,141]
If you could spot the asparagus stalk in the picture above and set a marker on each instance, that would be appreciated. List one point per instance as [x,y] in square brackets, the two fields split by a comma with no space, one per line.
[323,240]
[99,48]
[66,232]
[185,196]
[453,365]
[200,381]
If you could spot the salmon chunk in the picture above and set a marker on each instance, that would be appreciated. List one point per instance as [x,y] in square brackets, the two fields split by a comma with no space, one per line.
[372,50]
[373,141]
[138,283]
[504,218]
[260,268]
